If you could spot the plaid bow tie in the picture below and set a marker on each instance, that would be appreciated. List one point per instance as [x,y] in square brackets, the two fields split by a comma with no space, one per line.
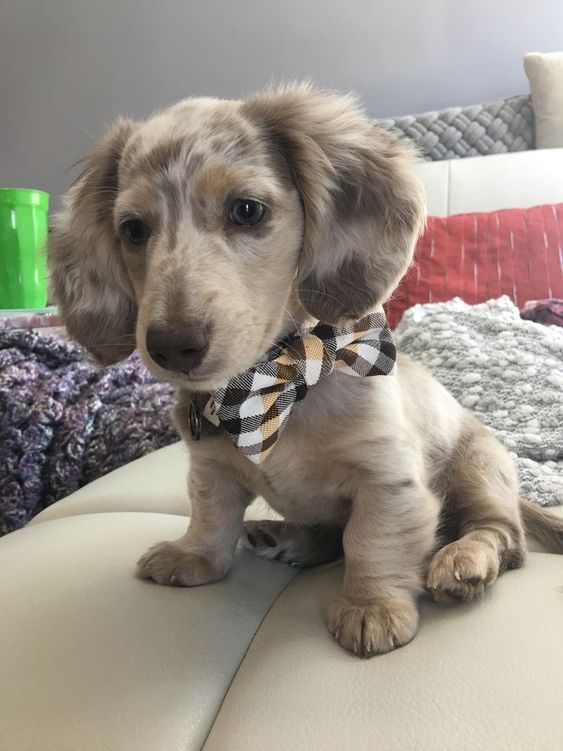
[254,406]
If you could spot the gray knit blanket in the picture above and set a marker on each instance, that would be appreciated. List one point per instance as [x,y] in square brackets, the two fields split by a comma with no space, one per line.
[508,371]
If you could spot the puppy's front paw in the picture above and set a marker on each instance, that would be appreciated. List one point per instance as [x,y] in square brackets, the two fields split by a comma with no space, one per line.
[170,563]
[373,628]
[461,570]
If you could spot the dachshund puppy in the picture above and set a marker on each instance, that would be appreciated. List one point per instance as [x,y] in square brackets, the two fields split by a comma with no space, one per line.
[215,230]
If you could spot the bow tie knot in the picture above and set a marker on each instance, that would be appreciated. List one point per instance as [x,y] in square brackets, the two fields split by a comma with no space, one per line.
[254,406]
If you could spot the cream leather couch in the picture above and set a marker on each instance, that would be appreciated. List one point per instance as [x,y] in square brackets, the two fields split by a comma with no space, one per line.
[92,659]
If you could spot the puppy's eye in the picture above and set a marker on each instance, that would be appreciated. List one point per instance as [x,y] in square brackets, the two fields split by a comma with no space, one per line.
[246,213]
[136,231]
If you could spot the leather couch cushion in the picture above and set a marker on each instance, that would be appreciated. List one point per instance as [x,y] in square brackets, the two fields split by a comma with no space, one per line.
[156,483]
[483,676]
[96,660]
[93,659]
[490,183]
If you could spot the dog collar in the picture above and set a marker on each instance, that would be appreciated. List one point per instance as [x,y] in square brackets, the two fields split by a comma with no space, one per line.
[253,408]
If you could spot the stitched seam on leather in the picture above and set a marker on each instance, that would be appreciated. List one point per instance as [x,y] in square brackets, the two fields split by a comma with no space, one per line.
[243,658]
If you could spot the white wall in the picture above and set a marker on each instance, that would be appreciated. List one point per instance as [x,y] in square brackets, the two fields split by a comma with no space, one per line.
[68,67]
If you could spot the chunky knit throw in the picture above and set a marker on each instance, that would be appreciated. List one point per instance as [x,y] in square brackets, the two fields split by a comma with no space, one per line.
[65,422]
[509,372]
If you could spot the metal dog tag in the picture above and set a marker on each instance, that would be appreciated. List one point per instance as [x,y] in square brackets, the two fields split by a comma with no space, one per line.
[194,418]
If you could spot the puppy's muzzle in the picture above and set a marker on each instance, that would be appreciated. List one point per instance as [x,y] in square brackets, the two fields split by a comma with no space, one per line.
[180,348]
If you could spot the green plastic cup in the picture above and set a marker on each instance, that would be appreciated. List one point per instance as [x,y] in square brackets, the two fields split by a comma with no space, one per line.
[23,234]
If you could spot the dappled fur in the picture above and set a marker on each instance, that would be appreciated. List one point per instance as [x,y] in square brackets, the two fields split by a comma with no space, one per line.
[389,471]
[359,199]
[87,275]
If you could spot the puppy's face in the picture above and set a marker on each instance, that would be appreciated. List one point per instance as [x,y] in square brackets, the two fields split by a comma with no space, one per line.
[209,226]
[205,233]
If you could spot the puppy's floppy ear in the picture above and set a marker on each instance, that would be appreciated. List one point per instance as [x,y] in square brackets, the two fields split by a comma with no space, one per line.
[364,209]
[87,276]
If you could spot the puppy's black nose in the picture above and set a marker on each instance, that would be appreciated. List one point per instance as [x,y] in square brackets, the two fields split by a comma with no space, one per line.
[179,347]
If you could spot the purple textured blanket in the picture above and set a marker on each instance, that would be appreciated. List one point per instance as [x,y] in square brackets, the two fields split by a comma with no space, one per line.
[64,422]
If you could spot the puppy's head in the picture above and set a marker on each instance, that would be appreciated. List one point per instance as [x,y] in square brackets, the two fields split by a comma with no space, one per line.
[202,234]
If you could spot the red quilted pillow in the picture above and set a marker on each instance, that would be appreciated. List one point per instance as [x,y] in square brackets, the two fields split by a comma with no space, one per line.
[514,252]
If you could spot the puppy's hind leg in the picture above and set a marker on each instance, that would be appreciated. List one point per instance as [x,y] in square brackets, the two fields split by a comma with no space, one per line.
[298,544]
[483,495]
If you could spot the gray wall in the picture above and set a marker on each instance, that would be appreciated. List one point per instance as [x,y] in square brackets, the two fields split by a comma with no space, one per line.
[68,67]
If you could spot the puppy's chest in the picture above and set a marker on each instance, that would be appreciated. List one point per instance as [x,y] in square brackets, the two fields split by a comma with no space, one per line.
[311,471]
[311,486]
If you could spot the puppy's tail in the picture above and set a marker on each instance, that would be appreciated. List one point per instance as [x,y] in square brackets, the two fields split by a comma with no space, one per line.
[545,527]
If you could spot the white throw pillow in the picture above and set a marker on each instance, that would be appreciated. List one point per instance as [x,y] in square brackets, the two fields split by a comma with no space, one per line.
[545,74]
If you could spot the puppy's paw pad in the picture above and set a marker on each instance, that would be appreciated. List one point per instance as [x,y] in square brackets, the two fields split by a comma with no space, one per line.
[169,563]
[296,544]
[374,628]
[272,540]
[268,539]
[461,570]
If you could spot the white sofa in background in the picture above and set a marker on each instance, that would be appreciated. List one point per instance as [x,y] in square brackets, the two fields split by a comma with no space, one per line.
[93,659]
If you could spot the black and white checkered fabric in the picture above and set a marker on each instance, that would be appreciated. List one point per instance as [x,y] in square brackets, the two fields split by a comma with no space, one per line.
[254,406]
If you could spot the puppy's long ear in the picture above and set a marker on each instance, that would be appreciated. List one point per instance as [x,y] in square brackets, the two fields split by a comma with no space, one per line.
[363,207]
[87,276]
